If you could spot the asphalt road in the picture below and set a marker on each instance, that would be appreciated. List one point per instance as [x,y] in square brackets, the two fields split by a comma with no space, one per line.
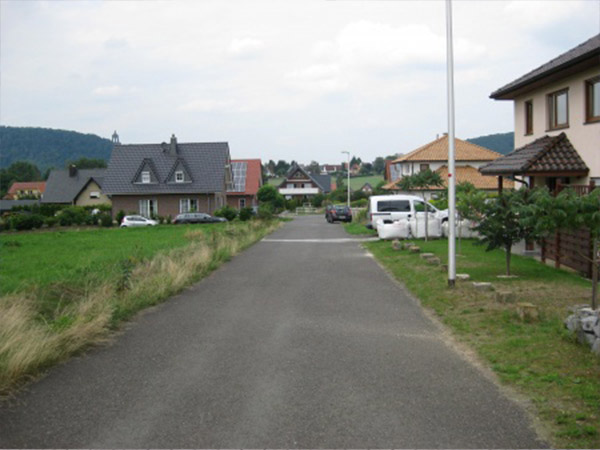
[297,342]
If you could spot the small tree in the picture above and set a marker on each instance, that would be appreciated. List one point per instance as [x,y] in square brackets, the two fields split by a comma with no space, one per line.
[269,194]
[512,217]
[426,179]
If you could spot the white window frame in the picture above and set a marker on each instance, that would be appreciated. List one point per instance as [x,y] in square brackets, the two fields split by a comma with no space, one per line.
[94,194]
[145,178]
[148,207]
[242,203]
[179,177]
[187,205]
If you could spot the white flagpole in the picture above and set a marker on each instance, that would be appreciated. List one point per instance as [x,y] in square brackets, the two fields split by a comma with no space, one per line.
[451,169]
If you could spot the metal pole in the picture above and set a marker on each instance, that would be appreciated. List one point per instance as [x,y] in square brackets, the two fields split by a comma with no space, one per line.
[451,169]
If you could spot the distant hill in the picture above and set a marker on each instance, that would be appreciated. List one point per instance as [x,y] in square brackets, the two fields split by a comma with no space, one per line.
[501,142]
[46,147]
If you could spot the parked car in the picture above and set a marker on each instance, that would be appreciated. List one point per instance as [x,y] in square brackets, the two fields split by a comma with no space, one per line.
[338,212]
[391,208]
[198,218]
[137,221]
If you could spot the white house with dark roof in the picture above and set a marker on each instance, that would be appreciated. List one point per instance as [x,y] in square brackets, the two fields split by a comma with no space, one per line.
[301,184]
[168,179]
[557,121]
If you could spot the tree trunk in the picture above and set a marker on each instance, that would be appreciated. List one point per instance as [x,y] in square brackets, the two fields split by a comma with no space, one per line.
[508,254]
[595,273]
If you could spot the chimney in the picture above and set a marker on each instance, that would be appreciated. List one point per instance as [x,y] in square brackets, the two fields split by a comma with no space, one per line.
[72,170]
[173,146]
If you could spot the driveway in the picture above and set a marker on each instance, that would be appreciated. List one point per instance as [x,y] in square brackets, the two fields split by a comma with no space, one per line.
[300,341]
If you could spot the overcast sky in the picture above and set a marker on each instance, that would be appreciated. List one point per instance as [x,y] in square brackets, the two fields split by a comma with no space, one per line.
[279,79]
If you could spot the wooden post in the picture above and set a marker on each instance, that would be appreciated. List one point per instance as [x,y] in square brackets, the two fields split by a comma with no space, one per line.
[500,184]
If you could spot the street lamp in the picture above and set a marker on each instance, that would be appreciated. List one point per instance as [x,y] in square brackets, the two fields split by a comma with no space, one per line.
[348,167]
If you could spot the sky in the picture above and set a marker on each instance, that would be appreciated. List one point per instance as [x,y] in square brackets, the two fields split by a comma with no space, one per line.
[294,80]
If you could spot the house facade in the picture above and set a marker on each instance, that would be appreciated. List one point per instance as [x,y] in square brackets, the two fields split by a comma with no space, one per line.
[327,169]
[168,179]
[557,121]
[301,184]
[247,180]
[433,156]
[73,186]
[25,190]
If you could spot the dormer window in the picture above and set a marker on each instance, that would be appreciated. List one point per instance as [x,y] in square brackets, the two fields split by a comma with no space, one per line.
[145,177]
[179,177]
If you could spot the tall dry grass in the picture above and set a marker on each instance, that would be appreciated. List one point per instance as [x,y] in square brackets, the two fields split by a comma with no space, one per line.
[33,339]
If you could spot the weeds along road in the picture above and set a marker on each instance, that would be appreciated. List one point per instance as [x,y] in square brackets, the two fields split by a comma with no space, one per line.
[300,341]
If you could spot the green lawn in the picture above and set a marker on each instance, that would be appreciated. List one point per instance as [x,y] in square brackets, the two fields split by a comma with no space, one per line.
[41,258]
[538,358]
[275,181]
[358,182]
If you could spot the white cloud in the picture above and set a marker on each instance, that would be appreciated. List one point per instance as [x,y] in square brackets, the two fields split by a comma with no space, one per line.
[541,13]
[107,91]
[207,105]
[246,47]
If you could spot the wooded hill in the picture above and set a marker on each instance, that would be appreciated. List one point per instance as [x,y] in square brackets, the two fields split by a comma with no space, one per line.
[501,142]
[47,147]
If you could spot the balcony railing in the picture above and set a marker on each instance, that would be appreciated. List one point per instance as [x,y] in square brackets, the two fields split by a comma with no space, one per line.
[299,191]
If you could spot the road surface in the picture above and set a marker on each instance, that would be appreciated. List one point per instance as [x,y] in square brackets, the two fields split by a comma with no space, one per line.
[302,341]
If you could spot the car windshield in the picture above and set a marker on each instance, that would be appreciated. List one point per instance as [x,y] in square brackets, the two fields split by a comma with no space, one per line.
[393,206]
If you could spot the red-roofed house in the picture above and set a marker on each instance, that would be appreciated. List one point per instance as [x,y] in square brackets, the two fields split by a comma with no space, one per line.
[25,189]
[247,180]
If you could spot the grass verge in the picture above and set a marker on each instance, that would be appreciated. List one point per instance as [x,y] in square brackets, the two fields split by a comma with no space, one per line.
[538,358]
[46,323]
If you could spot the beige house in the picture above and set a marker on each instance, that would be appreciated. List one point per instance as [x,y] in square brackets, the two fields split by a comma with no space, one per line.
[73,186]
[557,121]
[433,156]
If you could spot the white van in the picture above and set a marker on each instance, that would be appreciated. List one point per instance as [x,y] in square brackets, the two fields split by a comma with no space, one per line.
[391,208]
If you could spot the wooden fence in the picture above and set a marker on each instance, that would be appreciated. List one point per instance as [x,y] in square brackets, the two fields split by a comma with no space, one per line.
[571,248]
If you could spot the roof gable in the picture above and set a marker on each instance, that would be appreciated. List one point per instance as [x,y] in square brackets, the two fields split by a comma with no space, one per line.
[147,166]
[179,166]
[437,150]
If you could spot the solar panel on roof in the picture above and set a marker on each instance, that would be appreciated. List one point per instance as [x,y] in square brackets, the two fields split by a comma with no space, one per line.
[239,176]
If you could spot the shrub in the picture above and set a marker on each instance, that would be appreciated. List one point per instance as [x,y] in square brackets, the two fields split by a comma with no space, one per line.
[265,211]
[169,219]
[73,215]
[50,210]
[105,220]
[359,203]
[51,221]
[4,225]
[317,200]
[228,212]
[23,222]
[120,216]
[245,214]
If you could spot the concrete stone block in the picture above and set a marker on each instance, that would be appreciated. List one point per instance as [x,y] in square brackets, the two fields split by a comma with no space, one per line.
[596,347]
[396,245]
[434,260]
[527,311]
[483,286]
[414,249]
[426,255]
[462,277]
[504,296]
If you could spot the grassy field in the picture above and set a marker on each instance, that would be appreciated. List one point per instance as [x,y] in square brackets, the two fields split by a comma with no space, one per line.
[65,290]
[538,358]
[358,182]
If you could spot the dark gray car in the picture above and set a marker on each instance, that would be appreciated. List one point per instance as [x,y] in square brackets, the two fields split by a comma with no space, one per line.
[197,218]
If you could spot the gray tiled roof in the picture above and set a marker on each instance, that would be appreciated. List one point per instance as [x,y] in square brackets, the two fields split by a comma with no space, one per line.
[7,205]
[548,154]
[582,51]
[205,162]
[61,188]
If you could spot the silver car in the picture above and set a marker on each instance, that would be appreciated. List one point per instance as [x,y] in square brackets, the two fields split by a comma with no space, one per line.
[137,221]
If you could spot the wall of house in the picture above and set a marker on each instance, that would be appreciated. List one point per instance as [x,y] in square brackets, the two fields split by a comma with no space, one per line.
[234,200]
[168,204]
[413,167]
[584,136]
[84,199]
